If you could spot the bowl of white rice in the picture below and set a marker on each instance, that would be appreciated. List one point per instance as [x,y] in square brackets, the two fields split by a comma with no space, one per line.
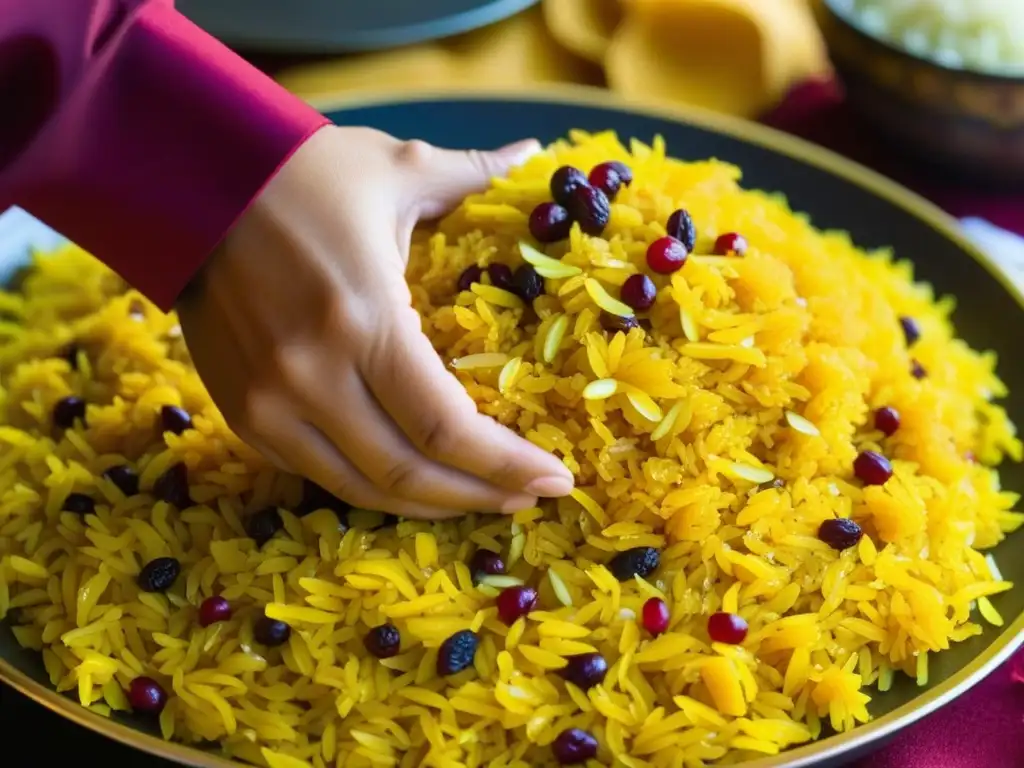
[943,79]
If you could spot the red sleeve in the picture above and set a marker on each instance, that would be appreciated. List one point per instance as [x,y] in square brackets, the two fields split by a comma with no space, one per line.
[134,133]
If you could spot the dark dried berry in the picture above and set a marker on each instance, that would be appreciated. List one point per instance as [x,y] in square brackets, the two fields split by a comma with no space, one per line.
[67,411]
[613,323]
[680,226]
[159,575]
[270,632]
[213,610]
[639,561]
[778,482]
[574,745]
[911,330]
[549,223]
[564,181]
[610,177]
[79,503]
[515,602]
[469,276]
[917,370]
[314,497]
[124,478]
[172,486]
[887,421]
[840,533]
[486,563]
[383,641]
[624,171]
[147,696]
[638,292]
[585,670]
[261,526]
[457,652]
[501,276]
[527,283]
[872,468]
[589,208]
[70,353]
[175,419]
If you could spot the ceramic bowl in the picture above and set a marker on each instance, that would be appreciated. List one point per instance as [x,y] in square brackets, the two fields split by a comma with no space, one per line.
[967,123]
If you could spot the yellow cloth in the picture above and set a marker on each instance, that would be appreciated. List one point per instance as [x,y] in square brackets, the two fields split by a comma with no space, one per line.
[734,56]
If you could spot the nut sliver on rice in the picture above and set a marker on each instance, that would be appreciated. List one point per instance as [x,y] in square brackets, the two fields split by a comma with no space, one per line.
[712,434]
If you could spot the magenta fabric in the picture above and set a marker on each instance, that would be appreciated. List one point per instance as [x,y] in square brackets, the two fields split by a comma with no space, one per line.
[985,727]
[135,134]
[982,729]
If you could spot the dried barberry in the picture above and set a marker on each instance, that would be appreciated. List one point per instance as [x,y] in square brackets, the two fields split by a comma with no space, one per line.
[79,503]
[159,575]
[457,652]
[639,561]
[261,526]
[172,486]
[680,226]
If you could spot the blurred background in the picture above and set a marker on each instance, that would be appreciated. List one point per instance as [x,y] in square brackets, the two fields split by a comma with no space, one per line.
[930,92]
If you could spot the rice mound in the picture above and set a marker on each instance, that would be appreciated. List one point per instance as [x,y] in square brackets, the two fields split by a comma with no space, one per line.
[721,433]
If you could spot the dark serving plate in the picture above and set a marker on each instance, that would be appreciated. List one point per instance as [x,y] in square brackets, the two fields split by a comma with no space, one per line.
[342,26]
[837,194]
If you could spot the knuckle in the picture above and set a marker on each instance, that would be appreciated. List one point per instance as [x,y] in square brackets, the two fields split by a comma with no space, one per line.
[415,154]
[255,412]
[348,324]
[482,161]
[291,366]
[340,488]
[344,486]
[378,349]
[438,437]
[398,479]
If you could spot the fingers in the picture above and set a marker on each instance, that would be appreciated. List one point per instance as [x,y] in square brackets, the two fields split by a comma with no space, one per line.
[263,447]
[439,178]
[438,416]
[313,455]
[354,422]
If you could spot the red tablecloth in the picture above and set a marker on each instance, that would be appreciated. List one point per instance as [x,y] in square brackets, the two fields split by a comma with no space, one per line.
[984,728]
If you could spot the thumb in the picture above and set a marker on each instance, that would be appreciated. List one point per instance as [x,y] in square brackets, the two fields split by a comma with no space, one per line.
[441,178]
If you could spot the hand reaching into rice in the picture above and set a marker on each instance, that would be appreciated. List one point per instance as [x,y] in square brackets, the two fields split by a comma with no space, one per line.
[300,326]
[162,147]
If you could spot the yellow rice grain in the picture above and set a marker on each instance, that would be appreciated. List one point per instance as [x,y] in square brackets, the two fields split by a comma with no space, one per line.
[747,370]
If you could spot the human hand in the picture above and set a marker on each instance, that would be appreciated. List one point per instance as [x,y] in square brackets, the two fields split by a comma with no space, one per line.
[301,328]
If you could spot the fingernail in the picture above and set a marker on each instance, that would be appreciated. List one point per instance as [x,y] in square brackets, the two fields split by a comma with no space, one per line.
[518,504]
[550,487]
[521,151]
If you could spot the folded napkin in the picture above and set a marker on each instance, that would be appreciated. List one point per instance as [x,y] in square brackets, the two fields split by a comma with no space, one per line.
[734,56]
